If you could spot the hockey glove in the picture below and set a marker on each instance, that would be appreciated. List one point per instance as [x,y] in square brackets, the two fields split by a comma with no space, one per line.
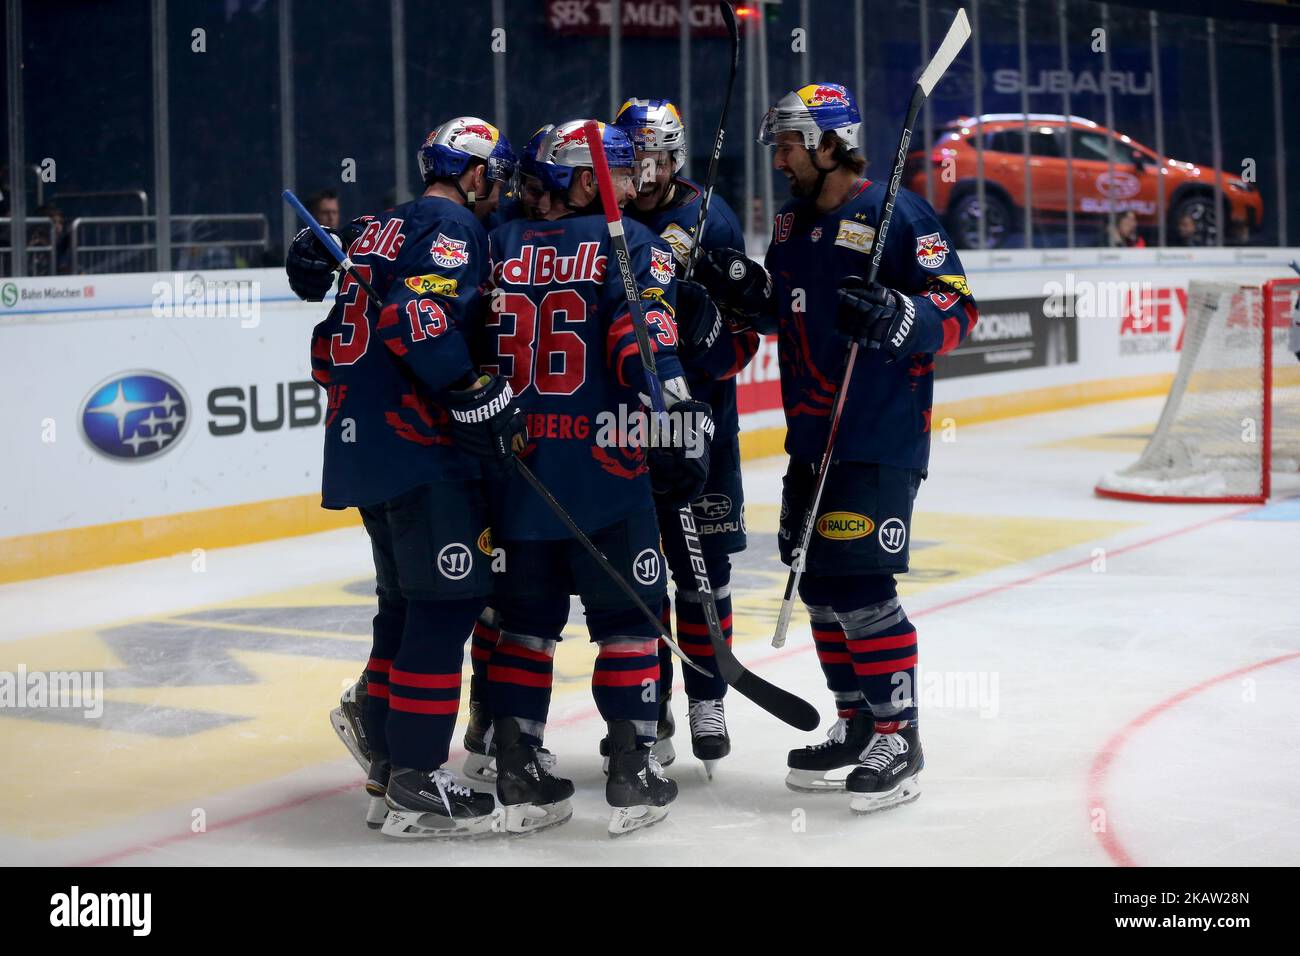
[677,472]
[740,286]
[311,267]
[485,421]
[876,316]
[699,323]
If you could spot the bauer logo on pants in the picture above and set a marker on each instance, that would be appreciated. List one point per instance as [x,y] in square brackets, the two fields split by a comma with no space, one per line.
[455,561]
[646,566]
[893,535]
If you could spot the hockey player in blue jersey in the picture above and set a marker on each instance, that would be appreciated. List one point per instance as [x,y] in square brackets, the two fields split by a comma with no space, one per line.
[560,332]
[410,427]
[712,351]
[525,198]
[919,307]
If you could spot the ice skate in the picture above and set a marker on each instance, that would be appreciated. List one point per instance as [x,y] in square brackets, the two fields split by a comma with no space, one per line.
[347,723]
[432,803]
[531,798]
[710,741]
[845,746]
[889,774]
[636,789]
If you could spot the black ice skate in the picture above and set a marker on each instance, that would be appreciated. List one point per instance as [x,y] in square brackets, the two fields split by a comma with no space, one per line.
[709,739]
[889,774]
[431,803]
[346,721]
[663,748]
[480,751]
[845,746]
[377,787]
[532,799]
[636,789]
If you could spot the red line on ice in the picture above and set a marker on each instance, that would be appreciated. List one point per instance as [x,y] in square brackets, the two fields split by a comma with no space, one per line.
[590,712]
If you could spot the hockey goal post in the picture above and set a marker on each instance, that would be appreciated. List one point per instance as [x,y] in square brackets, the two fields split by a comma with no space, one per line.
[1232,416]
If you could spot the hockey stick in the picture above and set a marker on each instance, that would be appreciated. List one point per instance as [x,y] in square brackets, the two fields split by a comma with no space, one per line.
[711,178]
[565,518]
[947,52]
[779,703]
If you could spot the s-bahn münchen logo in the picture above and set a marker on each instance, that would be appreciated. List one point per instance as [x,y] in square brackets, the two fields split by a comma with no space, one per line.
[134,415]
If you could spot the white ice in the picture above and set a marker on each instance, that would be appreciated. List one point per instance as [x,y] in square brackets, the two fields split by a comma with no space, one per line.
[1143,681]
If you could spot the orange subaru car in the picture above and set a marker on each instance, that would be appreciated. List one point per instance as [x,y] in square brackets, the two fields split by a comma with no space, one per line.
[1189,188]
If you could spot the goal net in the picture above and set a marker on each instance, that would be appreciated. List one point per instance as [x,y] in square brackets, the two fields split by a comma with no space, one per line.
[1233,412]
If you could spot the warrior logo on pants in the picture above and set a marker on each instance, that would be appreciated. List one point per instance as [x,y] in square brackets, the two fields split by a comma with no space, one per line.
[455,561]
[646,567]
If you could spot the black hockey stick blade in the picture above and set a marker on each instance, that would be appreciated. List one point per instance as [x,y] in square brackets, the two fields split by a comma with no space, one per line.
[781,704]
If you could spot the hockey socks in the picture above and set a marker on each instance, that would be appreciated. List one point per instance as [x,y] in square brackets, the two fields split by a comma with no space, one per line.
[835,659]
[693,636]
[423,683]
[624,683]
[519,678]
[882,642]
[386,639]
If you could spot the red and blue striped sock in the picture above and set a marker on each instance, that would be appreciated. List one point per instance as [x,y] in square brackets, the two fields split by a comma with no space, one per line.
[519,679]
[625,683]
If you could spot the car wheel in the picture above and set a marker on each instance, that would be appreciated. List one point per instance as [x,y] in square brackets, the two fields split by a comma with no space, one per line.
[964,221]
[1200,207]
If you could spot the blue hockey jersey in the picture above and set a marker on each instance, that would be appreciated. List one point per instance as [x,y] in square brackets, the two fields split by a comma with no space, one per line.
[709,373]
[560,330]
[887,412]
[385,431]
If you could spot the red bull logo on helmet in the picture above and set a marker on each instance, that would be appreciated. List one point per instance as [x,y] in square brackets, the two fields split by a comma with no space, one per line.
[824,94]
[931,250]
[482,130]
[576,135]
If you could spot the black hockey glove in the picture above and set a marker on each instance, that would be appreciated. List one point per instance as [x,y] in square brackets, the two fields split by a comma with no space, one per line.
[309,264]
[740,287]
[876,316]
[677,472]
[699,323]
[485,421]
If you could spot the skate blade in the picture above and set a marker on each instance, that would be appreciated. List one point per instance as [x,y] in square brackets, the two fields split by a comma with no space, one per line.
[376,812]
[413,824]
[708,767]
[664,751]
[344,730]
[624,820]
[812,781]
[905,792]
[480,767]
[531,817]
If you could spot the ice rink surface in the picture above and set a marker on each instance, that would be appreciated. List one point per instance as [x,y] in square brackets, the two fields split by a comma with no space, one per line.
[1102,683]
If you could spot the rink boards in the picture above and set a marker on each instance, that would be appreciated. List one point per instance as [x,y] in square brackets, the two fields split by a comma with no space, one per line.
[234,458]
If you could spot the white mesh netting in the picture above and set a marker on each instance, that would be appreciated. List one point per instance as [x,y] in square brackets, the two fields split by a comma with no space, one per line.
[1212,441]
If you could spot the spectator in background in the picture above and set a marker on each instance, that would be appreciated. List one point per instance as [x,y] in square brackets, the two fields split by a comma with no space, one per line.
[47,245]
[1188,234]
[1124,234]
[325,207]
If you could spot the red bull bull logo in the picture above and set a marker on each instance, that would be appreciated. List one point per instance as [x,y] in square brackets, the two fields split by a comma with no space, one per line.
[825,95]
[481,130]
[449,253]
[931,250]
[576,135]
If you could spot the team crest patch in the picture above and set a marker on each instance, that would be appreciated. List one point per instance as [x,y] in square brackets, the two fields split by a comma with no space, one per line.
[931,251]
[857,236]
[844,525]
[816,234]
[662,266]
[432,285]
[449,253]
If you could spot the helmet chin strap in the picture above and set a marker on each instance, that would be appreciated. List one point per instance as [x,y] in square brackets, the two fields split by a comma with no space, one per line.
[822,173]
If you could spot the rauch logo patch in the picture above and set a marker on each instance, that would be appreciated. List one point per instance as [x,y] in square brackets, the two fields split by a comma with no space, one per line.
[844,525]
